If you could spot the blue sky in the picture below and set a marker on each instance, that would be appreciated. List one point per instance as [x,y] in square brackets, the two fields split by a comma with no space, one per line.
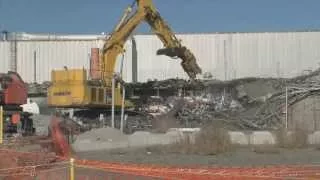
[96,16]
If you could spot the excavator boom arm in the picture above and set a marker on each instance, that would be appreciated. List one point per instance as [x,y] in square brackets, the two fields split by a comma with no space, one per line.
[173,47]
[115,43]
[146,12]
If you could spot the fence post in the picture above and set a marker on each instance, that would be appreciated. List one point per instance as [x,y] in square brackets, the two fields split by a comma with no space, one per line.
[71,169]
[1,124]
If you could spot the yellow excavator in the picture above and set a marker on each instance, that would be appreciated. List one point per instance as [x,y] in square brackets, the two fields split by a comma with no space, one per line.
[70,88]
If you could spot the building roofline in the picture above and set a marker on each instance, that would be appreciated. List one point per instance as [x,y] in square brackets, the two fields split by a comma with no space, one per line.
[23,36]
[239,32]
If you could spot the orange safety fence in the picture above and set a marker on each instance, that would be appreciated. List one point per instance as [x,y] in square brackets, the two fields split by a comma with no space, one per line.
[268,172]
[100,170]
[49,167]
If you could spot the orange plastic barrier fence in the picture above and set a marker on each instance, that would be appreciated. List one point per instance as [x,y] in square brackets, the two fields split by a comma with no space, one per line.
[270,172]
[87,169]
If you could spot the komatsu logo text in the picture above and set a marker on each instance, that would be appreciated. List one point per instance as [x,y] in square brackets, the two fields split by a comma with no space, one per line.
[62,93]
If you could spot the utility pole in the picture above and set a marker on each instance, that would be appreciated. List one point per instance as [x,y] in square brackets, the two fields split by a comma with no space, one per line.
[225,60]
[286,123]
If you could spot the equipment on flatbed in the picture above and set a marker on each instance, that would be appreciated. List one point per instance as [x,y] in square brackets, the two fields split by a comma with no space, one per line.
[13,95]
[70,88]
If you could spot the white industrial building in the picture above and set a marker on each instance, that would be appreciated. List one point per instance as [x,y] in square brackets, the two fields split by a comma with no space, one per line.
[225,55]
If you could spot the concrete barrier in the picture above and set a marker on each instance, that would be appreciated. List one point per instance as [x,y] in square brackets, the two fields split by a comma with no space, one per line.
[262,137]
[314,138]
[238,138]
[139,138]
[143,139]
[149,139]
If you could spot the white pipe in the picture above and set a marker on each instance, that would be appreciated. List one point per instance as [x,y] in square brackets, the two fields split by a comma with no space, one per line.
[122,108]
[102,120]
[125,118]
[112,112]
[286,107]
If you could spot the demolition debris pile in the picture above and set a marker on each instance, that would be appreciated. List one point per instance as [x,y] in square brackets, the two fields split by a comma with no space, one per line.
[249,104]
[242,104]
[231,103]
[36,89]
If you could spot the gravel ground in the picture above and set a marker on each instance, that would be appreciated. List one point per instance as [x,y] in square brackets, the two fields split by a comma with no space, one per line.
[238,157]
[85,173]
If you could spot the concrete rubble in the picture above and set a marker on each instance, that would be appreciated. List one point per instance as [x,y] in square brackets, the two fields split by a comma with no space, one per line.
[242,104]
[255,104]
[36,89]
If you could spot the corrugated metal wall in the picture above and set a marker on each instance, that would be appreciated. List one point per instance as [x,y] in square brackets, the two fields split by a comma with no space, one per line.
[54,55]
[51,55]
[225,56]
[4,56]
[235,55]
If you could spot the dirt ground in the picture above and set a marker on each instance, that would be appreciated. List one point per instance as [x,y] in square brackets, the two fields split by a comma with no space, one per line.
[237,157]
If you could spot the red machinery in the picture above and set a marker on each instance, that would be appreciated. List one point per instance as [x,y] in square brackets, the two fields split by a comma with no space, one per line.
[13,93]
